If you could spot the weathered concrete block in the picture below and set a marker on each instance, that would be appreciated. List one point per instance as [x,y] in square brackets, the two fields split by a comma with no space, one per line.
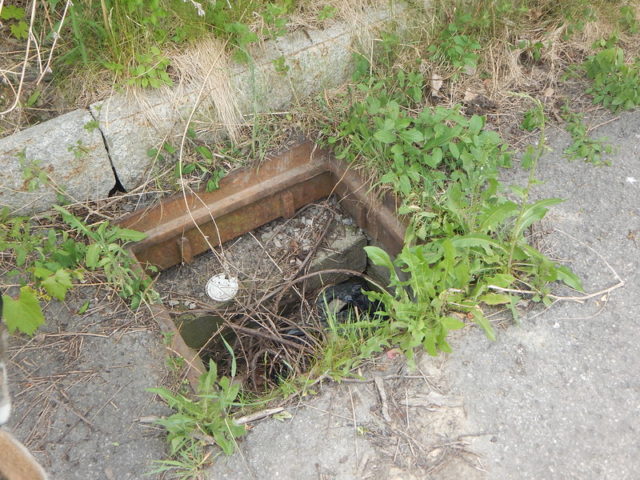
[60,152]
[345,250]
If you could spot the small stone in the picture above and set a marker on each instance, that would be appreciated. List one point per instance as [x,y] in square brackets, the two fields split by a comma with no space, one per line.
[173,303]
[191,305]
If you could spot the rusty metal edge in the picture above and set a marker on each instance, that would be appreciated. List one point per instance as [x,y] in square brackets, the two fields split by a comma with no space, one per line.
[372,212]
[176,344]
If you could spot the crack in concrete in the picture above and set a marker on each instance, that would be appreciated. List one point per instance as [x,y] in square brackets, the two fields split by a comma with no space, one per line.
[117,187]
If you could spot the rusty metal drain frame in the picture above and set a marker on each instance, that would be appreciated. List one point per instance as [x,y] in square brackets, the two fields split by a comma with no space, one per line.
[186,225]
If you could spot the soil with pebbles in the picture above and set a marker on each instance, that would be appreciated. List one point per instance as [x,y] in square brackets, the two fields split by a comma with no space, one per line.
[260,260]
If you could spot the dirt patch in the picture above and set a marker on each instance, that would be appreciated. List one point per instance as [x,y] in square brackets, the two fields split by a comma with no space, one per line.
[393,424]
[79,390]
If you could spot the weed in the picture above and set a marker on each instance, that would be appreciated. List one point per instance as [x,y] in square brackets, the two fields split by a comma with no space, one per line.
[280,65]
[199,422]
[533,50]
[425,149]
[467,241]
[578,17]
[628,20]
[456,48]
[583,146]
[275,21]
[50,264]
[33,175]
[349,342]
[616,84]
[91,125]
[203,166]
[79,150]
[14,16]
[532,120]
[242,37]
[105,253]
[327,12]
[150,70]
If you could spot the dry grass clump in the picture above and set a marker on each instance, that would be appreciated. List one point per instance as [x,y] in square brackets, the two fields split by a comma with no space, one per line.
[206,68]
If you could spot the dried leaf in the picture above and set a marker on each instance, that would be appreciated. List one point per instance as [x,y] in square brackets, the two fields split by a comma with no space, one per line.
[436,84]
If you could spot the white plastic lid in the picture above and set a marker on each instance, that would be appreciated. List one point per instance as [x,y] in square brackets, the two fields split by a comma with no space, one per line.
[222,288]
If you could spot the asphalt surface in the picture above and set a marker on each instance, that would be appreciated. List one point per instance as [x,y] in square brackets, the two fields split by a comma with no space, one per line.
[559,395]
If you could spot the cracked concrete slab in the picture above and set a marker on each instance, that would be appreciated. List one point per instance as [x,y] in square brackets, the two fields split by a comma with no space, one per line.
[79,390]
[65,154]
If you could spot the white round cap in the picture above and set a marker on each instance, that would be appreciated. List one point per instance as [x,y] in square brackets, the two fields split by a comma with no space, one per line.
[222,288]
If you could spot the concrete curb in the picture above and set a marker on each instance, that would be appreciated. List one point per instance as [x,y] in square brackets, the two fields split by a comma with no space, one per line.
[65,154]
[87,161]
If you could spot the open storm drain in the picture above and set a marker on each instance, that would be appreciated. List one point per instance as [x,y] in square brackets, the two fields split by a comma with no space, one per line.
[261,269]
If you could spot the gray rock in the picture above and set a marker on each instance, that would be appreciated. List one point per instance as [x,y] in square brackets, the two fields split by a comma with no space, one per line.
[58,152]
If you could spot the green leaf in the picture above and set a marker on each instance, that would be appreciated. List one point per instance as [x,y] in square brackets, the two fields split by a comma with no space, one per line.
[379,257]
[128,235]
[503,280]
[482,321]
[33,98]
[452,323]
[495,299]
[493,217]
[534,213]
[455,152]
[58,284]
[11,12]
[385,136]
[412,136]
[436,157]
[84,307]
[73,221]
[569,278]
[23,314]
[205,152]
[519,191]
[93,255]
[476,123]
[477,240]
[513,307]
[170,149]
[20,30]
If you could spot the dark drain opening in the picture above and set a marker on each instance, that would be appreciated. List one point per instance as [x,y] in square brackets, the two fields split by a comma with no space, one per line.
[293,292]
[181,228]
